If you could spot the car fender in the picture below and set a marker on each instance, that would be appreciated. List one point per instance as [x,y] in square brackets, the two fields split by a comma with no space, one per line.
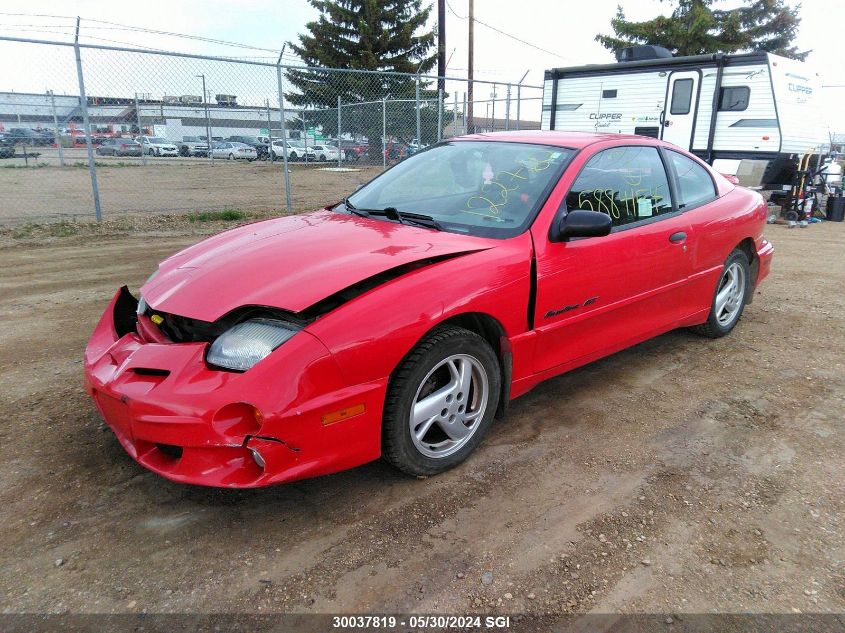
[369,335]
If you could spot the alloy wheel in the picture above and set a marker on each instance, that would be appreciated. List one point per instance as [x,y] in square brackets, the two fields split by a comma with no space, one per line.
[730,295]
[449,406]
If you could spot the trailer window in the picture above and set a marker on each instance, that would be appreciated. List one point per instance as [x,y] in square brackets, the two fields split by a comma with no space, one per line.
[681,97]
[608,94]
[628,183]
[734,98]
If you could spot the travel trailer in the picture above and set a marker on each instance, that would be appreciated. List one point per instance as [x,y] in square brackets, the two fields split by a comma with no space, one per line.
[752,115]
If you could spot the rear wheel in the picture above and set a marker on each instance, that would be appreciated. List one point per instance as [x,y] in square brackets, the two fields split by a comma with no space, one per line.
[231,157]
[730,297]
[440,402]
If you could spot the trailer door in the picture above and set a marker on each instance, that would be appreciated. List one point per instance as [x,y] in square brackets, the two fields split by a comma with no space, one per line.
[681,106]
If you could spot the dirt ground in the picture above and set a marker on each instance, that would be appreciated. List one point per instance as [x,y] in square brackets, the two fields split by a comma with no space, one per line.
[681,476]
[168,185]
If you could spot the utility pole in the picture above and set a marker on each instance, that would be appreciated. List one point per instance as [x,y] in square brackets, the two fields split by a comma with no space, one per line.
[441,45]
[468,114]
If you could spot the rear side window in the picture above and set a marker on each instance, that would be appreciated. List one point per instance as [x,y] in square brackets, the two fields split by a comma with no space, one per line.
[681,97]
[695,186]
[734,98]
[627,183]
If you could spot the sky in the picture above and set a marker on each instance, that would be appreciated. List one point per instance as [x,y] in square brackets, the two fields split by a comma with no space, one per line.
[564,29]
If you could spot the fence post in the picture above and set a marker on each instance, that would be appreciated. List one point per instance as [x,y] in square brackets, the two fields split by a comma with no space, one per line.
[519,100]
[455,115]
[83,102]
[493,118]
[288,202]
[269,133]
[304,136]
[384,132]
[466,115]
[140,129]
[419,126]
[439,114]
[339,150]
[56,126]
[508,109]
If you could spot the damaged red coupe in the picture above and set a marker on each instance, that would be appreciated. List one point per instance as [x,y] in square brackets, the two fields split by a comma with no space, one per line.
[399,322]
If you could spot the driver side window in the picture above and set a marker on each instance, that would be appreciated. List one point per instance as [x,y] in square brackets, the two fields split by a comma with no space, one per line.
[627,183]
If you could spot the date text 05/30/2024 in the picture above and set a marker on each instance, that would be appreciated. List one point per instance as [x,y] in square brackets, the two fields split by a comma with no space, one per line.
[388,622]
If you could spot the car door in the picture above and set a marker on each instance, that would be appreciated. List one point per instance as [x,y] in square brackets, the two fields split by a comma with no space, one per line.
[597,295]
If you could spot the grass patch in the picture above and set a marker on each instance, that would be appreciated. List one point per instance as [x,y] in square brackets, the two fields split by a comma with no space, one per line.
[199,223]
[98,163]
[33,166]
[226,215]
[63,228]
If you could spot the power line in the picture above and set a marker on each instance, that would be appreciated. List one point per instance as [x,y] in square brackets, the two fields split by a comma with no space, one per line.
[506,34]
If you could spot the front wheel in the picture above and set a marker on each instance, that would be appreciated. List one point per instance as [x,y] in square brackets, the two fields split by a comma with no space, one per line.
[730,297]
[231,157]
[440,402]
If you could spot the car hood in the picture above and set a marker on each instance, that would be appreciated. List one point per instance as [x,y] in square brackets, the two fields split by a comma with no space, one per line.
[293,262]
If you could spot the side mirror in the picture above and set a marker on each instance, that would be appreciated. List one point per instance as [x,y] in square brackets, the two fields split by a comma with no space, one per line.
[580,223]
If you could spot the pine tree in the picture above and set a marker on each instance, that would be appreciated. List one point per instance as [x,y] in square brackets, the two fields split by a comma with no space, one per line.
[362,35]
[696,28]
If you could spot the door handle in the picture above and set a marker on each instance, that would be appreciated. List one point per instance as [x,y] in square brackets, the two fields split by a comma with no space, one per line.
[678,237]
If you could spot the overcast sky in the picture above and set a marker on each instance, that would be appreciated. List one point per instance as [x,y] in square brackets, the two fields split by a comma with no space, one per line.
[564,28]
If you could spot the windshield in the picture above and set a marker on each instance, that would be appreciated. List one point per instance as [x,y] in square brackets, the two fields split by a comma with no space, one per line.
[191,139]
[157,139]
[490,189]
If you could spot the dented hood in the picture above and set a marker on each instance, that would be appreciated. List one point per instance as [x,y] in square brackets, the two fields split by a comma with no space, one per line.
[292,262]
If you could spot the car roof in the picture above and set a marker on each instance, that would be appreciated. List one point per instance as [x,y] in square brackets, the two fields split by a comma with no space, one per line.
[575,140]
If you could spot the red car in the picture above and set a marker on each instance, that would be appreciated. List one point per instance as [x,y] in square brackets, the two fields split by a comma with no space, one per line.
[399,322]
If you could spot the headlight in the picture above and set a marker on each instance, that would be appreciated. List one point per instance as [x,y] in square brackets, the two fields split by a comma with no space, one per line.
[246,343]
[142,305]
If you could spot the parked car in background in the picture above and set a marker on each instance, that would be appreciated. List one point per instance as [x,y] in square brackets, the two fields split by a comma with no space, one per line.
[326,152]
[296,151]
[7,147]
[119,147]
[395,150]
[157,146]
[192,146]
[352,150]
[262,150]
[258,356]
[25,136]
[415,146]
[233,151]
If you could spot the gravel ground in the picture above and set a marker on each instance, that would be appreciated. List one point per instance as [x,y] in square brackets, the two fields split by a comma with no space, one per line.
[681,476]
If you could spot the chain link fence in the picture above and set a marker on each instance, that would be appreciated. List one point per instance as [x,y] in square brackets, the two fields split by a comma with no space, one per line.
[95,131]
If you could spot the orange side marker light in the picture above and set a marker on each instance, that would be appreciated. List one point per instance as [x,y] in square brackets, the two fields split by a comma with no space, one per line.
[343,414]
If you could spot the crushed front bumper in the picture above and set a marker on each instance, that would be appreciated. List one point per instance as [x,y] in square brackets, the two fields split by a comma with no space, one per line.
[191,423]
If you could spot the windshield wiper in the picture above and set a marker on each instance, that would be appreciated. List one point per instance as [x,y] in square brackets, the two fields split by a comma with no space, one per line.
[353,209]
[407,217]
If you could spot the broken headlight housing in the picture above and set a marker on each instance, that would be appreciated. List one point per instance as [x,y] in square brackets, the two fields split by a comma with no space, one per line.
[244,344]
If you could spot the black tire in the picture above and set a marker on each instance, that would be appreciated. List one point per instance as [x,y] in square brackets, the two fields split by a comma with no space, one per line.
[713,328]
[292,156]
[397,445]
[183,151]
